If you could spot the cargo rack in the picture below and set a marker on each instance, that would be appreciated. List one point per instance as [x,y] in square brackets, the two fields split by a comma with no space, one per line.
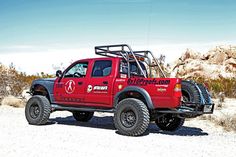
[125,51]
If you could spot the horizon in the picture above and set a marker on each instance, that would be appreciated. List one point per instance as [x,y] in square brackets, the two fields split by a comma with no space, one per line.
[35,35]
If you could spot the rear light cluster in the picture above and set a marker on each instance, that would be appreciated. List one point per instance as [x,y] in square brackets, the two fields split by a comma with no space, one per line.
[177,90]
[177,87]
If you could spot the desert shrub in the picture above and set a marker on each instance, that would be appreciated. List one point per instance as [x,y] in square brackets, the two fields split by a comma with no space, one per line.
[13,82]
[13,101]
[228,122]
[217,86]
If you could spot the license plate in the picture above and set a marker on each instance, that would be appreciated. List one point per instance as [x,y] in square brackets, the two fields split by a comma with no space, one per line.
[207,108]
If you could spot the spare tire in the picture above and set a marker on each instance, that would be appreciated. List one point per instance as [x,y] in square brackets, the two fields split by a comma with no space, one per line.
[205,93]
[190,92]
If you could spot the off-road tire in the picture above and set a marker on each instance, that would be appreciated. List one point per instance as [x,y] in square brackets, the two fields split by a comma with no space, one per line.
[205,93]
[131,117]
[190,92]
[37,110]
[82,116]
[169,122]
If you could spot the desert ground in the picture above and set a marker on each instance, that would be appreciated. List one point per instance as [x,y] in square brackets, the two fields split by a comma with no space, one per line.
[63,136]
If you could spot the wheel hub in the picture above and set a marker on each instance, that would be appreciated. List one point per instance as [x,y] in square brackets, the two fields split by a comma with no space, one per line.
[34,111]
[128,118]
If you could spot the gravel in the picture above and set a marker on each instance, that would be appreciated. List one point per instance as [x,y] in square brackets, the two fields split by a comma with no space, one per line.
[63,136]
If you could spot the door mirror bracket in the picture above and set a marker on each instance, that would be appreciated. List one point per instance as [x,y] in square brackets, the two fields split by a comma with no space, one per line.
[59,73]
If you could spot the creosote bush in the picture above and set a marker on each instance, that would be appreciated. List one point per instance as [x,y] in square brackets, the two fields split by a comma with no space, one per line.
[228,122]
[13,82]
[227,86]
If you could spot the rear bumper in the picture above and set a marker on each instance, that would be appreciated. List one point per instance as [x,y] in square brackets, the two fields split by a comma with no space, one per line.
[197,109]
[188,109]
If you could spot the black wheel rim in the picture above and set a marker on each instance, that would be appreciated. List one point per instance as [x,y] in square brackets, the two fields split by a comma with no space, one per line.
[82,114]
[34,110]
[186,96]
[168,122]
[128,118]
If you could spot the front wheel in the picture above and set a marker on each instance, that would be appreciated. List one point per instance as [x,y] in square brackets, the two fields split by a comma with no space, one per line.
[169,122]
[37,110]
[131,117]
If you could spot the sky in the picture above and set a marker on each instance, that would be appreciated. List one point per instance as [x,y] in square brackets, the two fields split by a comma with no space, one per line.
[44,35]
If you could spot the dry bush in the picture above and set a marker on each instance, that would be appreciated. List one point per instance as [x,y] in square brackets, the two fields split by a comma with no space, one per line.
[13,82]
[13,101]
[228,122]
[205,117]
[217,86]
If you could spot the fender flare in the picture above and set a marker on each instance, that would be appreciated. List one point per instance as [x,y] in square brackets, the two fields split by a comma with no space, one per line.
[47,85]
[140,90]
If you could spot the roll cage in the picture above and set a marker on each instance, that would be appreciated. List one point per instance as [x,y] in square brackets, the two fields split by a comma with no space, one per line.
[124,51]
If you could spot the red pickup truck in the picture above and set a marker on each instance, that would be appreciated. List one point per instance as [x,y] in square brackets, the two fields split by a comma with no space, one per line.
[123,83]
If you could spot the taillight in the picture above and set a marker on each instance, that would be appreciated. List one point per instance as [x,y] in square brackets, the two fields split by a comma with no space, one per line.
[177,87]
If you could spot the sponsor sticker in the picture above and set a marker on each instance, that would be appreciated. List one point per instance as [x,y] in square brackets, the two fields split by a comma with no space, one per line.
[100,88]
[161,89]
[90,88]
[145,82]
[96,88]
[70,86]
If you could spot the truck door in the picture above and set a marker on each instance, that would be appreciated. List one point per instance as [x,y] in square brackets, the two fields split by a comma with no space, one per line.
[70,88]
[100,84]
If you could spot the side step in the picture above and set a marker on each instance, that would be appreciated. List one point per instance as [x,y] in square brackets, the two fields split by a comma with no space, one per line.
[56,107]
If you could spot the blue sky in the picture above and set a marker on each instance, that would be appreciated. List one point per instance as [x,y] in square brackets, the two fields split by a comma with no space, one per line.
[38,26]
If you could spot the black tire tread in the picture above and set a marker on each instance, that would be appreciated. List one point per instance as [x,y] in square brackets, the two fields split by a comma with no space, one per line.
[46,110]
[173,127]
[142,124]
[204,93]
[188,86]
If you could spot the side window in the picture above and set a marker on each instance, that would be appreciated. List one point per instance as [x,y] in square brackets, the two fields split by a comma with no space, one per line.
[134,70]
[102,68]
[78,70]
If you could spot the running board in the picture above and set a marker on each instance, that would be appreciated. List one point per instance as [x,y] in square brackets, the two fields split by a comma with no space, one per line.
[55,107]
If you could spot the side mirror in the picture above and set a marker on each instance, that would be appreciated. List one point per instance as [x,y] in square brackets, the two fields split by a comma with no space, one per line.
[59,73]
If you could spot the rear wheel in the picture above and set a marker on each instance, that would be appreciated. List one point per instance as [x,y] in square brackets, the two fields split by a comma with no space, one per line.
[82,116]
[169,122]
[131,117]
[37,110]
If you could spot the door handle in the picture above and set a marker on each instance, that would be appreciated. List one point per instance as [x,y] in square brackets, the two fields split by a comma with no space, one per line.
[105,82]
[80,83]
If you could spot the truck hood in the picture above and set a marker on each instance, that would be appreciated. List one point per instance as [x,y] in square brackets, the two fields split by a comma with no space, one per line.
[46,79]
[47,83]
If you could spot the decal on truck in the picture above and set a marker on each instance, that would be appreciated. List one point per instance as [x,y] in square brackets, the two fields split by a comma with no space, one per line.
[96,88]
[70,86]
[90,88]
[100,88]
[144,82]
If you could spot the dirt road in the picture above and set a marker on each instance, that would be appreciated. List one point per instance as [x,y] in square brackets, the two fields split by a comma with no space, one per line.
[63,136]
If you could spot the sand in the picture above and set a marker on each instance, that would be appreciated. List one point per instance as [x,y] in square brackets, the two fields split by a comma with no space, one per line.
[63,136]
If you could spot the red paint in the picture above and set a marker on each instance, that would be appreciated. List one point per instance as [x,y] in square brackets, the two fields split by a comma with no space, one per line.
[100,91]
